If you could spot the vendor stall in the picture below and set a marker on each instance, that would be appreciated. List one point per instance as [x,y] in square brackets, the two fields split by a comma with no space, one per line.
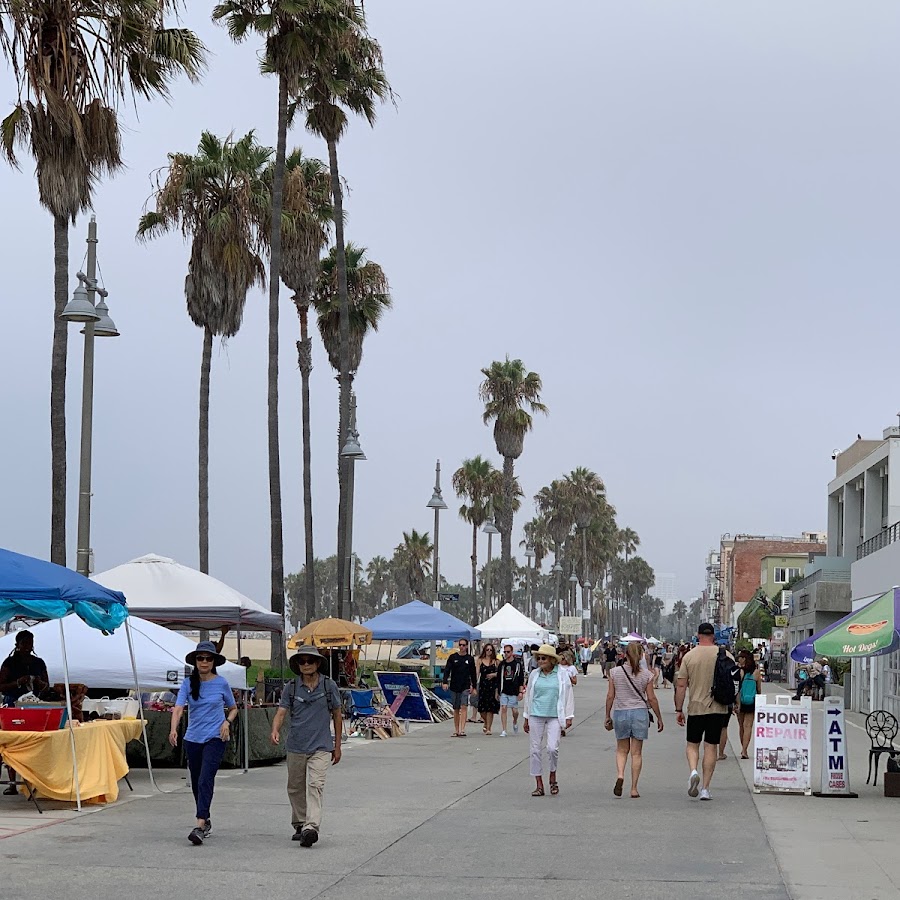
[508,622]
[34,590]
[43,759]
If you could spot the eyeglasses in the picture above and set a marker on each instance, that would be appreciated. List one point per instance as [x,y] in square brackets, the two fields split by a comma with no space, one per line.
[205,658]
[539,658]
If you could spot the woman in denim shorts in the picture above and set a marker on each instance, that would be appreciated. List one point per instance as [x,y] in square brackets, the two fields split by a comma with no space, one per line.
[628,702]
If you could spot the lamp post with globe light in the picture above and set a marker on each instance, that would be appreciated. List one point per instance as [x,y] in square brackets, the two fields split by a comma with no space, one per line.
[352,452]
[490,529]
[529,587]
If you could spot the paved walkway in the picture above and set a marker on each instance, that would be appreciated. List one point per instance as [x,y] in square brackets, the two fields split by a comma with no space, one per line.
[425,815]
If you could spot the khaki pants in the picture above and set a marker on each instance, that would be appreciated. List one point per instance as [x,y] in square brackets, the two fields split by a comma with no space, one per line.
[306,786]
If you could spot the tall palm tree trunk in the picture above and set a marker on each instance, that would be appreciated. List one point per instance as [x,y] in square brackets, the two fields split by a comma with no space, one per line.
[304,351]
[474,575]
[276,533]
[203,452]
[344,409]
[506,573]
[58,392]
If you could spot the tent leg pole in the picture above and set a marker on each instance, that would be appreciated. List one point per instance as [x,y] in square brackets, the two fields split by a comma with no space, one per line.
[71,724]
[137,688]
[246,741]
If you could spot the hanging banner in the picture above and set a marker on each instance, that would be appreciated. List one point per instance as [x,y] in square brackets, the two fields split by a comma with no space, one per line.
[782,739]
[414,706]
[835,762]
[570,625]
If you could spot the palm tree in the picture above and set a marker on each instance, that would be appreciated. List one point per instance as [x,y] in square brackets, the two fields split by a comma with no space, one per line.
[378,576]
[308,216]
[477,481]
[628,542]
[370,297]
[508,392]
[217,198]
[73,63]
[346,76]
[414,555]
[289,28]
[554,503]
[679,610]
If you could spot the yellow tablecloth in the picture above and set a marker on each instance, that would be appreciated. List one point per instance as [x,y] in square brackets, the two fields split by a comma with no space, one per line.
[44,759]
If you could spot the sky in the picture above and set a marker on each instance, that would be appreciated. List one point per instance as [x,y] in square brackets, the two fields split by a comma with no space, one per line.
[682,216]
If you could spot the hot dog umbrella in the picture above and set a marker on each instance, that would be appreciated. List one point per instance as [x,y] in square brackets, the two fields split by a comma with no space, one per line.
[872,630]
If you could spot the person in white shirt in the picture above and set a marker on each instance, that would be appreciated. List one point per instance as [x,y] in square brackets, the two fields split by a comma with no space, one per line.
[585,656]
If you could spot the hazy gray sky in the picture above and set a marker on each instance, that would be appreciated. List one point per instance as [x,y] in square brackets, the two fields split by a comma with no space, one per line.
[682,215]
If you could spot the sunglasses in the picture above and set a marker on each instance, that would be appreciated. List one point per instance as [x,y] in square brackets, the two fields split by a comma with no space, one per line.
[307,661]
[463,646]
[205,658]
[539,658]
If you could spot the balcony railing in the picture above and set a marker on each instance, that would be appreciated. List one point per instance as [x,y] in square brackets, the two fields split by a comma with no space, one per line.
[876,542]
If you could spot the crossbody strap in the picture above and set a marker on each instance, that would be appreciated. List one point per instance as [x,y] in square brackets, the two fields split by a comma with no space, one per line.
[642,696]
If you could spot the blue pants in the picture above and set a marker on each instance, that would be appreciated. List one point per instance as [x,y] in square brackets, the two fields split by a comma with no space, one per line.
[203,762]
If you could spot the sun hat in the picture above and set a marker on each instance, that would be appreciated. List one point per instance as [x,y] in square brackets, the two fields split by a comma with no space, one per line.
[205,647]
[294,661]
[546,650]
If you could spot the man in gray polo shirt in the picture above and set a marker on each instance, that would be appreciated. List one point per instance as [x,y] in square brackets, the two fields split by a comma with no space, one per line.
[314,703]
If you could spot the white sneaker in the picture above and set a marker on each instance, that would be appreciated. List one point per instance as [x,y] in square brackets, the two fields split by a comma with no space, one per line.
[502,734]
[515,729]
[704,794]
[694,784]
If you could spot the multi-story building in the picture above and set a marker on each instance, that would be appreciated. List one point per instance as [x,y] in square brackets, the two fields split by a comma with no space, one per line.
[741,563]
[664,588]
[864,531]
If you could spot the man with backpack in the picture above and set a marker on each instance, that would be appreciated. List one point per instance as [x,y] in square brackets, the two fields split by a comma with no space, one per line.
[708,674]
[313,702]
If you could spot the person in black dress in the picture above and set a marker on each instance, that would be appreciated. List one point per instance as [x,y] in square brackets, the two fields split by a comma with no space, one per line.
[488,686]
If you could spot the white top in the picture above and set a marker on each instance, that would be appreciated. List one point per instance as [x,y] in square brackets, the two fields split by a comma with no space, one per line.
[565,705]
[571,671]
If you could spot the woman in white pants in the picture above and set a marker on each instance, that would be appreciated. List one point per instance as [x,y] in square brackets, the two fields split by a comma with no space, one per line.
[549,708]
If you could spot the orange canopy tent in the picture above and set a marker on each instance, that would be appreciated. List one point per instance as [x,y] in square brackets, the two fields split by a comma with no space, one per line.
[330,633]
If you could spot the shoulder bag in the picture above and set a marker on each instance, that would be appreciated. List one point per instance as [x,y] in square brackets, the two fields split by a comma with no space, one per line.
[642,696]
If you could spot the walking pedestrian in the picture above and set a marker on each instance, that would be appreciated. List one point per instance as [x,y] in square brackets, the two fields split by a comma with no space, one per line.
[585,656]
[512,688]
[488,687]
[567,659]
[549,708]
[609,658]
[751,685]
[629,699]
[706,717]
[208,697]
[460,677]
[313,702]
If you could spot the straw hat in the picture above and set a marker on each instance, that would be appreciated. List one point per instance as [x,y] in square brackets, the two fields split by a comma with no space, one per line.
[546,650]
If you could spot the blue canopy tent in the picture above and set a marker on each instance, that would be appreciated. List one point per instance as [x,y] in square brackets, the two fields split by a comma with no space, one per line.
[35,590]
[419,621]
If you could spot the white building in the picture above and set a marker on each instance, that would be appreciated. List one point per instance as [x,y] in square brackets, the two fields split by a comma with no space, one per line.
[864,527]
[664,588]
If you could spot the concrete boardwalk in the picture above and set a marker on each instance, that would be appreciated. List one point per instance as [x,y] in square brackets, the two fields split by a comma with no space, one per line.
[425,815]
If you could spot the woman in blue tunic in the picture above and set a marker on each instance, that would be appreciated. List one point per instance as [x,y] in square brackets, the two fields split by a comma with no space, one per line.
[212,709]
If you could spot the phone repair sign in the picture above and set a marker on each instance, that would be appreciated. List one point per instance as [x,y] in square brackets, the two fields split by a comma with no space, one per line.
[782,741]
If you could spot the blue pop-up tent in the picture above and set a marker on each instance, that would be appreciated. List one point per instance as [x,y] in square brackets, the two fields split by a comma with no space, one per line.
[419,621]
[35,590]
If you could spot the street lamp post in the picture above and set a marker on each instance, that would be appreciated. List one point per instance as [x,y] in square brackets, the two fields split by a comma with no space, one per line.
[490,529]
[573,591]
[557,571]
[351,451]
[529,586]
[437,504]
[84,307]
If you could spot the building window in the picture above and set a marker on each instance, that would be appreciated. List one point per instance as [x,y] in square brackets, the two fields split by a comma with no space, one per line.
[784,575]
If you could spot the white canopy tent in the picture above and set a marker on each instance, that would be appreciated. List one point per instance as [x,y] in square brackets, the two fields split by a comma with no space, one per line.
[508,622]
[103,662]
[163,591]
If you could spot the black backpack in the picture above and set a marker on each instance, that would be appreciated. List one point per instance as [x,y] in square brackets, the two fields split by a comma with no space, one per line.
[725,679]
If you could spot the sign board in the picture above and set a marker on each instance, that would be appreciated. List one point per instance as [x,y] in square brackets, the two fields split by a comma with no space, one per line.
[569,625]
[781,621]
[448,598]
[835,763]
[782,740]
[414,706]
